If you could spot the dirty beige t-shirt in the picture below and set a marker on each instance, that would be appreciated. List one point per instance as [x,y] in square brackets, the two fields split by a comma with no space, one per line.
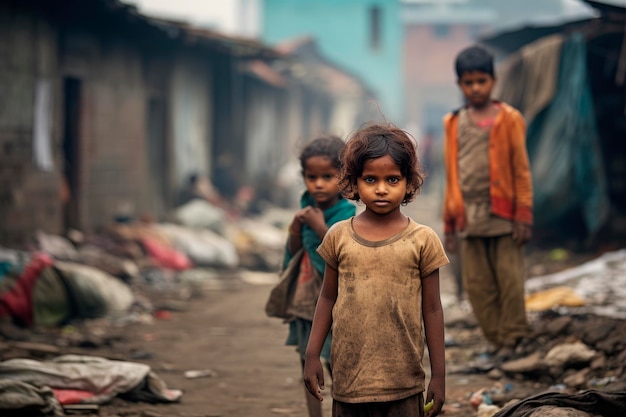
[475,180]
[378,343]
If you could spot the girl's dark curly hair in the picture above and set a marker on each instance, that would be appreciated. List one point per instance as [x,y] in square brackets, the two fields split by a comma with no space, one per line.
[329,146]
[374,141]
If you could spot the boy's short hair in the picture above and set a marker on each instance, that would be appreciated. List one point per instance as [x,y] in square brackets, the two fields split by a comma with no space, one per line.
[474,58]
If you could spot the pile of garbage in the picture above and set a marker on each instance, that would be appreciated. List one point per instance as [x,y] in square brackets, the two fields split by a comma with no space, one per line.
[85,276]
[73,291]
[578,340]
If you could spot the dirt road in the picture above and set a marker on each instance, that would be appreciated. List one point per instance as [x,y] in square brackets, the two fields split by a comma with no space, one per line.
[249,372]
[255,374]
[226,331]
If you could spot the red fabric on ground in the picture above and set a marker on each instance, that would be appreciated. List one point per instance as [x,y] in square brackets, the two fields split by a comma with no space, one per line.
[71,396]
[18,301]
[166,257]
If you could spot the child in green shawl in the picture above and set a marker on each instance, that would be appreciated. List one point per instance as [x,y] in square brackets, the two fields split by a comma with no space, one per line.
[322,206]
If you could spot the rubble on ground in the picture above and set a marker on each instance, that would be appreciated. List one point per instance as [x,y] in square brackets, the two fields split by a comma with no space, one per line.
[578,339]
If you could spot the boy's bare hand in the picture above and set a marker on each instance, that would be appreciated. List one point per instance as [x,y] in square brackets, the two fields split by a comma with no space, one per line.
[436,391]
[450,242]
[314,377]
[521,233]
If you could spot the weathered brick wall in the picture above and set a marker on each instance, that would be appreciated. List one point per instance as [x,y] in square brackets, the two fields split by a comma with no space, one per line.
[112,140]
[29,196]
[113,163]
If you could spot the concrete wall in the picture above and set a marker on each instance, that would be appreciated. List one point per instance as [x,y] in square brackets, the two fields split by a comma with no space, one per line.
[429,73]
[346,112]
[191,115]
[266,135]
[343,32]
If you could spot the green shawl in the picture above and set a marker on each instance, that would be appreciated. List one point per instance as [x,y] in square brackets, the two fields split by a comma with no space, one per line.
[342,210]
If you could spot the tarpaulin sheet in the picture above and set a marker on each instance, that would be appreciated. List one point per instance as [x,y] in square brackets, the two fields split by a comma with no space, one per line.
[564,149]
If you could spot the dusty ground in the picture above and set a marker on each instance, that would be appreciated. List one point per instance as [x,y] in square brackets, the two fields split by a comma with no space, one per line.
[225,330]
[256,375]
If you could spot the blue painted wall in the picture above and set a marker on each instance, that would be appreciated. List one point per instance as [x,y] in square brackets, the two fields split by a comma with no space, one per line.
[342,29]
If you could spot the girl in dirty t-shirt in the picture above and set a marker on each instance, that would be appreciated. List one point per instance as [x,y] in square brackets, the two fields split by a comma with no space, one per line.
[322,206]
[380,289]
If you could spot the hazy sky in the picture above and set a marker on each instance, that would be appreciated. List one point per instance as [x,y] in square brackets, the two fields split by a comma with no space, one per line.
[224,16]
[218,13]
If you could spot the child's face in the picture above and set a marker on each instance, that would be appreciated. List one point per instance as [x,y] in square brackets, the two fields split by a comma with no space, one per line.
[381,186]
[476,87]
[322,181]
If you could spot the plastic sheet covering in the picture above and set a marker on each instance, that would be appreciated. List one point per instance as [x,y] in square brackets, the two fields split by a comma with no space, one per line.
[564,149]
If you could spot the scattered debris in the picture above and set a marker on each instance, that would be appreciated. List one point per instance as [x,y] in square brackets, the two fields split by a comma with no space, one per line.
[203,373]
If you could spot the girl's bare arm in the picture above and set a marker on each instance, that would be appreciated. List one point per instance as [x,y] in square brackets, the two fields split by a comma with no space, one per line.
[434,329]
[322,320]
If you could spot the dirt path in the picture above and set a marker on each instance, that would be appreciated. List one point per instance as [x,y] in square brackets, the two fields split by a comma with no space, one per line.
[226,331]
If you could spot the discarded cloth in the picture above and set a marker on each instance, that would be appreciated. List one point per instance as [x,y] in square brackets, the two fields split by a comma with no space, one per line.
[23,398]
[103,378]
[591,401]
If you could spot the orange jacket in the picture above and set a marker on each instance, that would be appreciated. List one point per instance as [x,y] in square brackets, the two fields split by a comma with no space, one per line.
[511,183]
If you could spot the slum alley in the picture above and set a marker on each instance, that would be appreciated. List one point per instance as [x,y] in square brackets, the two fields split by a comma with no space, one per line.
[148,175]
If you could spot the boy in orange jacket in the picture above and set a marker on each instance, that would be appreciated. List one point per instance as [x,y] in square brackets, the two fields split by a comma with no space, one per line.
[488,201]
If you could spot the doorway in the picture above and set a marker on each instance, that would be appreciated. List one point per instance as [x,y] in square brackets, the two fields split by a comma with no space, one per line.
[72,91]
[157,155]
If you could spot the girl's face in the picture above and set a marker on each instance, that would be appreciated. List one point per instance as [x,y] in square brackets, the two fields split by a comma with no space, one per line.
[322,181]
[381,186]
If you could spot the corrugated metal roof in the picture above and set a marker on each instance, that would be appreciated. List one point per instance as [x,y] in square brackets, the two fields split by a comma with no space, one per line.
[183,31]
[512,40]
[238,46]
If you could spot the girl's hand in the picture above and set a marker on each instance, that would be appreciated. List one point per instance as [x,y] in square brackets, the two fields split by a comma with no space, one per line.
[314,377]
[436,391]
[310,216]
[298,216]
[314,218]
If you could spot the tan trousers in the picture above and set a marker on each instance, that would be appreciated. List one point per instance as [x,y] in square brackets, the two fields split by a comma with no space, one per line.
[493,277]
